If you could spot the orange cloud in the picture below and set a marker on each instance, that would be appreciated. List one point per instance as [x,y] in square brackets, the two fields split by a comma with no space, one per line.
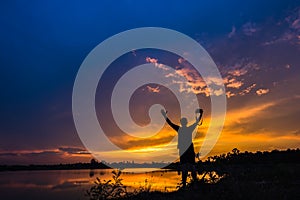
[233,83]
[230,94]
[261,92]
[238,72]
[248,89]
[153,89]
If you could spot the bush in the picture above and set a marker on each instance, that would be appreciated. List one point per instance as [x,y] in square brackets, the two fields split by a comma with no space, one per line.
[111,189]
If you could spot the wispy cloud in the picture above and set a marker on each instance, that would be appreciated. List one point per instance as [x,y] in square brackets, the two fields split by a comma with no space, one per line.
[232,33]
[250,28]
[153,89]
[290,34]
[287,36]
[156,63]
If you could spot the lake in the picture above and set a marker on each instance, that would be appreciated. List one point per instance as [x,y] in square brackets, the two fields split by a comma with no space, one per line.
[72,184]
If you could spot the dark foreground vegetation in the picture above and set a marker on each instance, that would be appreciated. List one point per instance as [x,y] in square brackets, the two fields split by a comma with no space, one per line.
[235,175]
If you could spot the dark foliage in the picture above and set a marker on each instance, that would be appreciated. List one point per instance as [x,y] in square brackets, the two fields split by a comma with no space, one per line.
[236,175]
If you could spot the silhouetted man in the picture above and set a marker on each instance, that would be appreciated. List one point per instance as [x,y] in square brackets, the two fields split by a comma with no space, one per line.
[185,144]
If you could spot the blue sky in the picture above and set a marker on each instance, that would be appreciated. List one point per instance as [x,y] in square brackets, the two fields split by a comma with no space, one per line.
[44,42]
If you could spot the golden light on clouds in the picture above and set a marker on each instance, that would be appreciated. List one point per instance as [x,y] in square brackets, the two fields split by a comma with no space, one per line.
[233,135]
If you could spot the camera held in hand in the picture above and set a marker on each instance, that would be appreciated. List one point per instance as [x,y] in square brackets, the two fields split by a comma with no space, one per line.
[199,110]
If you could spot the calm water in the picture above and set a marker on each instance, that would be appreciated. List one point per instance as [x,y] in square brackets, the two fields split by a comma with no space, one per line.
[72,184]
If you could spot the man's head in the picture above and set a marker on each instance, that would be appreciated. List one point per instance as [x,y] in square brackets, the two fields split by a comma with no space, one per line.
[183,121]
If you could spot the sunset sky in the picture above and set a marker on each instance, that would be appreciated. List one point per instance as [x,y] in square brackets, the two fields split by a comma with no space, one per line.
[255,45]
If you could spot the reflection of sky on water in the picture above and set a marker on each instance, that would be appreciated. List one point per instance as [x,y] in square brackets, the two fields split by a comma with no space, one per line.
[72,184]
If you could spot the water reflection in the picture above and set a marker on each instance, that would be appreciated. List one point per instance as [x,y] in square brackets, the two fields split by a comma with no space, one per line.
[159,180]
[61,184]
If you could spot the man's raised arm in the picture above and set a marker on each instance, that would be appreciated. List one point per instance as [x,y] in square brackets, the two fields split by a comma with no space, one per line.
[164,114]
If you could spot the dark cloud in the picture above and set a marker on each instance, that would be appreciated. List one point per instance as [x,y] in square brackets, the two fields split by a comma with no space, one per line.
[73,150]
[8,154]
[40,156]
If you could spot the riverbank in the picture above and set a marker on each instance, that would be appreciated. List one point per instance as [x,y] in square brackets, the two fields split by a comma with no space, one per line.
[235,175]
